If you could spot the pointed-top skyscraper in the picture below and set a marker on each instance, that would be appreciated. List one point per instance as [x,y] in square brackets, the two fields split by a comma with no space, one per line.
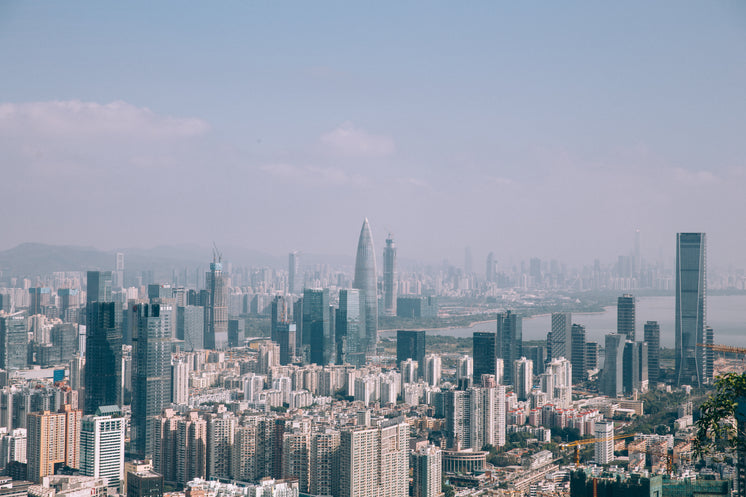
[365,281]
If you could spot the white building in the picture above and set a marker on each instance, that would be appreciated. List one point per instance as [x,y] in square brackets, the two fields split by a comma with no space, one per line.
[605,446]
[102,445]
[433,366]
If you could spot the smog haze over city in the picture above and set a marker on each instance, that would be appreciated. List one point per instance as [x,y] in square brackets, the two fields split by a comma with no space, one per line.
[526,130]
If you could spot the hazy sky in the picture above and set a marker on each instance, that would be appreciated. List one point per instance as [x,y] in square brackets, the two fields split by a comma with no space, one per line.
[549,130]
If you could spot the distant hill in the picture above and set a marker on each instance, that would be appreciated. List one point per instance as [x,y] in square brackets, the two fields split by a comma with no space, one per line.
[32,259]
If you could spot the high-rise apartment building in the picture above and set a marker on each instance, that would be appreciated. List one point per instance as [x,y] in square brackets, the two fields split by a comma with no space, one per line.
[151,372]
[427,472]
[410,344]
[475,417]
[389,277]
[365,281]
[53,439]
[625,316]
[324,461]
[295,277]
[691,307]
[560,336]
[221,431]
[102,445]
[318,341]
[103,365]
[605,445]
[509,341]
[216,310]
[374,461]
[350,328]
[433,367]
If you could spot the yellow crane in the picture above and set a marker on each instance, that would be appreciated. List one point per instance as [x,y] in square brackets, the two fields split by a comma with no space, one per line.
[723,348]
[577,443]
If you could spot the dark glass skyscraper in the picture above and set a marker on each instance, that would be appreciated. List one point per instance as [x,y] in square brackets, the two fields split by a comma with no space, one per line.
[509,341]
[690,308]
[653,339]
[98,287]
[151,372]
[410,344]
[365,281]
[389,277]
[318,340]
[216,311]
[483,350]
[625,316]
[350,328]
[103,357]
[13,341]
[578,353]
[558,340]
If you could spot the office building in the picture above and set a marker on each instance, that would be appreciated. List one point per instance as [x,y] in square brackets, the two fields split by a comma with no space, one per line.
[625,316]
[414,306]
[190,326]
[365,281]
[605,444]
[53,441]
[691,307]
[578,353]
[484,350]
[350,328]
[612,380]
[102,445]
[389,277]
[103,365]
[708,355]
[295,277]
[98,288]
[374,461]
[64,338]
[427,479]
[523,377]
[144,484]
[560,336]
[410,344]
[318,342]
[509,341]
[151,372]
[491,269]
[216,310]
[592,350]
[537,354]
[13,341]
[118,274]
[653,338]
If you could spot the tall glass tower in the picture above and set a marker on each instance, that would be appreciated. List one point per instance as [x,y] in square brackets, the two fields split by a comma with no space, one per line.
[389,277]
[365,281]
[690,308]
[216,311]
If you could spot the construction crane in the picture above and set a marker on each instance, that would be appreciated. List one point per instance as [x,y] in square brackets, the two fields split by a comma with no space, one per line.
[723,348]
[577,443]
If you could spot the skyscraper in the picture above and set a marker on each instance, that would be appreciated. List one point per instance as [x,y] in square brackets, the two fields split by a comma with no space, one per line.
[690,307]
[605,445]
[295,278]
[53,438]
[317,333]
[578,353]
[560,336]
[98,286]
[216,311]
[625,316]
[427,471]
[389,277]
[509,341]
[151,372]
[103,365]
[102,445]
[613,373]
[350,327]
[13,341]
[282,331]
[653,339]
[118,276]
[491,269]
[523,377]
[365,281]
[483,351]
[410,344]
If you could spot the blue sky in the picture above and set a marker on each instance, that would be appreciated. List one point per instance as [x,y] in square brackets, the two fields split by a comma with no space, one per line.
[529,130]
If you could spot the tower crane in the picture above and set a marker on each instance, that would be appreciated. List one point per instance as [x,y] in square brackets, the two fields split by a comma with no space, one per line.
[577,443]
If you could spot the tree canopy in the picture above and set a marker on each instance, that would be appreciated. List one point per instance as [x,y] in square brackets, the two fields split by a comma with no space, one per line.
[716,428]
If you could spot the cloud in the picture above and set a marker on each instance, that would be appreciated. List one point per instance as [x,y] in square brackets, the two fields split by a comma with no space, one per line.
[347,140]
[91,120]
[695,178]
[313,175]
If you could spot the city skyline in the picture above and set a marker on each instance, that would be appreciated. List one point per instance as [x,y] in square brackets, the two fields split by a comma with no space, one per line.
[450,138]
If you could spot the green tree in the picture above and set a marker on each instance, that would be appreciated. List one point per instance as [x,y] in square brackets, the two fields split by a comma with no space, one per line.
[715,427]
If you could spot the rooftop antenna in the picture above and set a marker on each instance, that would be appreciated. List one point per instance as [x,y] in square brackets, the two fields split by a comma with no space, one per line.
[216,254]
